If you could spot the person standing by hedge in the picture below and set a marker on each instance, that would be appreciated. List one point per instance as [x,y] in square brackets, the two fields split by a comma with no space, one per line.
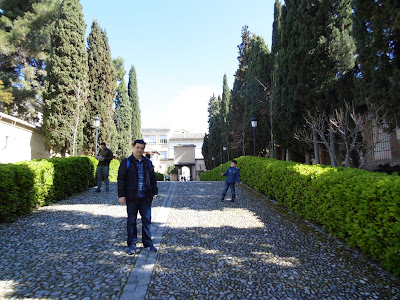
[137,188]
[104,156]
[232,176]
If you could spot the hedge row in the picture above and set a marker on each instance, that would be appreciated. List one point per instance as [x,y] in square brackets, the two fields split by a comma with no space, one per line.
[30,184]
[360,207]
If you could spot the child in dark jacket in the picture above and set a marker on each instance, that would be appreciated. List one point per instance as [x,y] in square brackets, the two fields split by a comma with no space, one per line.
[232,176]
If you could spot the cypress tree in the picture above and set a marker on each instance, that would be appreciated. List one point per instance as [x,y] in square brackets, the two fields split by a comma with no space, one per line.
[65,97]
[376,32]
[314,57]
[134,99]
[102,81]
[237,104]
[123,112]
[257,95]
[224,111]
[214,129]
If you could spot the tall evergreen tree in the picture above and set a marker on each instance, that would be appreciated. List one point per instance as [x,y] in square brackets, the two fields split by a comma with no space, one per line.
[377,36]
[25,28]
[102,80]
[257,95]
[237,123]
[224,111]
[134,99]
[326,50]
[123,113]
[65,97]
[214,129]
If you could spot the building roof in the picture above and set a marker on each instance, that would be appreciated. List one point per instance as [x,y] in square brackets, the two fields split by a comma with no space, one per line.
[155,129]
[184,135]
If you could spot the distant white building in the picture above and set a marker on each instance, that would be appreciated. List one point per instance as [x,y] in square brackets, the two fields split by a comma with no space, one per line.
[179,148]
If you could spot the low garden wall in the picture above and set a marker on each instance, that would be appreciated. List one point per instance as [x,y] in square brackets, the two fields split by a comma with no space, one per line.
[360,207]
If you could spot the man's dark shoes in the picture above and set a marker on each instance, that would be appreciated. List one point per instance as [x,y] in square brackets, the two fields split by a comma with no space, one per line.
[152,248]
[107,190]
[232,200]
[97,190]
[131,249]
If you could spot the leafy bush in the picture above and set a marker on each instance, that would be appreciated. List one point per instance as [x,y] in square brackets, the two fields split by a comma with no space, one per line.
[360,207]
[30,184]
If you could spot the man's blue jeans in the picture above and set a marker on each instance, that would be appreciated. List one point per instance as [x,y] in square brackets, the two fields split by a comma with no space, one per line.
[102,172]
[144,208]
[232,186]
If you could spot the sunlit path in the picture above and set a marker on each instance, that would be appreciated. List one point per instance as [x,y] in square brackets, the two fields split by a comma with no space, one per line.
[250,249]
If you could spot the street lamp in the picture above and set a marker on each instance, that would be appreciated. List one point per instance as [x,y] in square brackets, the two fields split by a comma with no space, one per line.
[96,123]
[224,148]
[254,125]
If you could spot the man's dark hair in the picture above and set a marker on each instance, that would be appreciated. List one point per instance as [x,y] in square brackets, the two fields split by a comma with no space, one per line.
[234,161]
[102,144]
[139,142]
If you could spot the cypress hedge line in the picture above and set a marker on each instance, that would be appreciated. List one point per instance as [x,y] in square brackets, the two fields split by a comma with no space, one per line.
[27,185]
[360,207]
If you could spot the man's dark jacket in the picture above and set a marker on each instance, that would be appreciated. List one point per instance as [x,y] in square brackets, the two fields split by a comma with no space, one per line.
[128,179]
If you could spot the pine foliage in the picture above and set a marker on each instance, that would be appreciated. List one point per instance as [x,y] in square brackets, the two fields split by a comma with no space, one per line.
[65,96]
[134,99]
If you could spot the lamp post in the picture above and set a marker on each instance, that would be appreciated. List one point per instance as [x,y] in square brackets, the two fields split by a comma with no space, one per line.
[254,125]
[96,123]
[213,162]
[224,148]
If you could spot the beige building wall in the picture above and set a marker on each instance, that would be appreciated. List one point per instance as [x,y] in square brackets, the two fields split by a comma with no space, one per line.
[20,141]
[184,154]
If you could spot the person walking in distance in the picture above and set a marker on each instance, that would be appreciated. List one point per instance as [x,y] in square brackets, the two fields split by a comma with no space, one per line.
[104,157]
[232,176]
[137,188]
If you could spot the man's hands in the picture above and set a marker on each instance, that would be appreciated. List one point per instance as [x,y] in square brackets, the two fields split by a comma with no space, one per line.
[122,200]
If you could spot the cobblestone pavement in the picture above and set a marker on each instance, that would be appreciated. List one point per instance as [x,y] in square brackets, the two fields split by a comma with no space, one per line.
[250,249]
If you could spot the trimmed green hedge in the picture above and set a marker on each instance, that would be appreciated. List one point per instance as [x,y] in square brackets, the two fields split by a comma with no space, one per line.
[30,184]
[360,207]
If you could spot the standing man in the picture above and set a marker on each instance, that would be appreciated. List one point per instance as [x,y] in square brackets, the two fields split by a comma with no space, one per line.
[104,156]
[232,176]
[137,188]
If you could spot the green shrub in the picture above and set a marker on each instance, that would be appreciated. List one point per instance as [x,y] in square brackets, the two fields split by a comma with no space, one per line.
[160,176]
[360,207]
[30,184]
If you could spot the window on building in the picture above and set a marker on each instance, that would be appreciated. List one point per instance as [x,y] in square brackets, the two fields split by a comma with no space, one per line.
[150,139]
[163,139]
[163,154]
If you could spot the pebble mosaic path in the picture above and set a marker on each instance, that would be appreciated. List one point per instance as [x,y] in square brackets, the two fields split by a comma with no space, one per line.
[249,249]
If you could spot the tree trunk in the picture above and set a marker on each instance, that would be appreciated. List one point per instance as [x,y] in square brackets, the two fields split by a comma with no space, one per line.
[316,148]
[308,158]
[332,149]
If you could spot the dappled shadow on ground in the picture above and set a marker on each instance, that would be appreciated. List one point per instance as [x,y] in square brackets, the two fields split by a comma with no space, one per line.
[252,248]
[73,248]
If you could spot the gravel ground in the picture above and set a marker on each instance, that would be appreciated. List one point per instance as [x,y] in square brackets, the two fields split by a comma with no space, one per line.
[250,249]
[73,249]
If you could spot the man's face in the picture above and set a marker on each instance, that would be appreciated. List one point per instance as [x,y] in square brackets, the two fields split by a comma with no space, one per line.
[103,147]
[233,164]
[138,150]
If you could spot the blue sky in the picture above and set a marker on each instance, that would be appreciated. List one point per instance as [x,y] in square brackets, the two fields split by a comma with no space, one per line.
[180,49]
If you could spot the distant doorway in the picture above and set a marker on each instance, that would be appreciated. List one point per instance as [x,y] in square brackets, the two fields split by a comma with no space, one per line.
[185,174]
